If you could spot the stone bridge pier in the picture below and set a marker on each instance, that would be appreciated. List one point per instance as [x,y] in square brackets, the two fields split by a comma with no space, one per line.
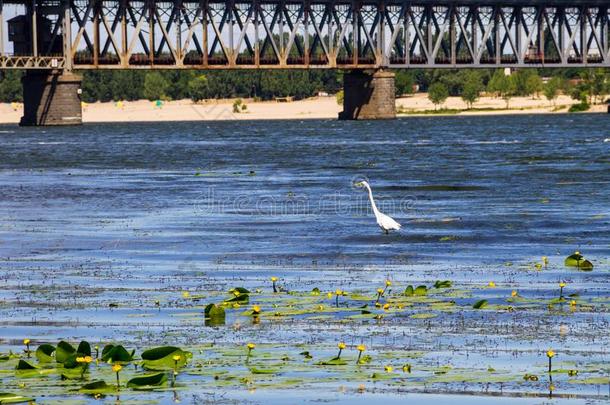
[51,98]
[368,95]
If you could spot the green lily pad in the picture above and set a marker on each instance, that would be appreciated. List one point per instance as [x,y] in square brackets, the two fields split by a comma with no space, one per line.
[443,284]
[585,265]
[147,382]
[24,365]
[213,311]
[8,398]
[335,361]
[420,290]
[573,260]
[255,370]
[97,387]
[44,353]
[162,358]
[480,304]
[84,349]
[117,354]
[64,351]
[409,291]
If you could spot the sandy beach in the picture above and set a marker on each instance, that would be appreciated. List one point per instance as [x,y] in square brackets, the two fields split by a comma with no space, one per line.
[313,108]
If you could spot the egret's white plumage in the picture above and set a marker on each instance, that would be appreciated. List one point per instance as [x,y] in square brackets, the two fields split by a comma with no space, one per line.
[384,221]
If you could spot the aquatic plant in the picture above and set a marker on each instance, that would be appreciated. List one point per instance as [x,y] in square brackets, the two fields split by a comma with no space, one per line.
[273,281]
[84,361]
[550,354]
[26,342]
[250,347]
[341,346]
[338,293]
[117,369]
[361,348]
[562,284]
[577,260]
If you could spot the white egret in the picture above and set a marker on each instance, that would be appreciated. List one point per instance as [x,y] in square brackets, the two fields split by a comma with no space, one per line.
[384,221]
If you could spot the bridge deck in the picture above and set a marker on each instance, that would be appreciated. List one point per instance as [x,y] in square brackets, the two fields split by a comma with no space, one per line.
[309,34]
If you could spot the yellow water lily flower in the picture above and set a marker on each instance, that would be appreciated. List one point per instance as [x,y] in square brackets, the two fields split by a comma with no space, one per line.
[380,291]
[545,260]
[341,345]
[250,346]
[573,303]
[514,293]
[388,369]
[388,283]
[256,309]
[116,368]
[26,341]
[562,284]
[329,295]
[338,292]
[361,347]
[274,279]
[550,353]
[186,294]
[406,368]
[176,357]
[386,306]
[80,359]
[491,284]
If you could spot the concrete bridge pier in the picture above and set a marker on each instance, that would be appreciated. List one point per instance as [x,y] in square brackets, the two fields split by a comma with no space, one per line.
[51,98]
[368,95]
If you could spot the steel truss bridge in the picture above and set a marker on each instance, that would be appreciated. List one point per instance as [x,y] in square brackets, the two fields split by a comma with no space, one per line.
[369,34]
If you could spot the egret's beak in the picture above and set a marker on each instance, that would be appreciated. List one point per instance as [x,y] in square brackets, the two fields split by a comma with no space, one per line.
[358,184]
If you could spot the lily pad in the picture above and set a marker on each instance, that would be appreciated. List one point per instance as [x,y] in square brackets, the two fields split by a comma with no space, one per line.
[573,260]
[84,349]
[216,312]
[162,358]
[335,361]
[480,304]
[64,351]
[585,265]
[421,290]
[443,284]
[97,387]
[8,398]
[24,365]
[117,354]
[147,382]
[44,353]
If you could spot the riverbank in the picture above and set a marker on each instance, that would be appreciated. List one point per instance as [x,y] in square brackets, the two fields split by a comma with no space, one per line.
[313,108]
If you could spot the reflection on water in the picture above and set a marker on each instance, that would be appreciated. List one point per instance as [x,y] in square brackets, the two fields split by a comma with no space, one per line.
[120,212]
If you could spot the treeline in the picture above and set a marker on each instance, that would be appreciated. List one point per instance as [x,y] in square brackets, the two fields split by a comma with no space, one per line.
[106,85]
[588,86]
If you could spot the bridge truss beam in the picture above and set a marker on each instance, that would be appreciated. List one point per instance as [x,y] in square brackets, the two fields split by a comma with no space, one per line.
[206,34]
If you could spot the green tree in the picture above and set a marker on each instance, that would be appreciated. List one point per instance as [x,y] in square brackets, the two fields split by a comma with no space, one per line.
[155,86]
[404,82]
[551,89]
[438,93]
[502,85]
[471,88]
[198,88]
[10,86]
[533,84]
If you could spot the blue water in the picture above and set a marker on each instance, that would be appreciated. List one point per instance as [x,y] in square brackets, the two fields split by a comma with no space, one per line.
[132,212]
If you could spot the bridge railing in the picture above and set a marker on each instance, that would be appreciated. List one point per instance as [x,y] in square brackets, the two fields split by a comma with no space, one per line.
[212,34]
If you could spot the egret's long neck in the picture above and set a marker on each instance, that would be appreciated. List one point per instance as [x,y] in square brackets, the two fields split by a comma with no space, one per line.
[375,210]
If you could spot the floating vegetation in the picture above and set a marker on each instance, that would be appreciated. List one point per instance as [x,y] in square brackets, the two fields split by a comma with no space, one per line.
[67,369]
[577,260]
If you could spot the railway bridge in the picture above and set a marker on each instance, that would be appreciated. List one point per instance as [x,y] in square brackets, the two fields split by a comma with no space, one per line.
[53,39]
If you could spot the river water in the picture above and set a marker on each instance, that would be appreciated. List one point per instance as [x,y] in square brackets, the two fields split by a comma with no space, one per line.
[99,221]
